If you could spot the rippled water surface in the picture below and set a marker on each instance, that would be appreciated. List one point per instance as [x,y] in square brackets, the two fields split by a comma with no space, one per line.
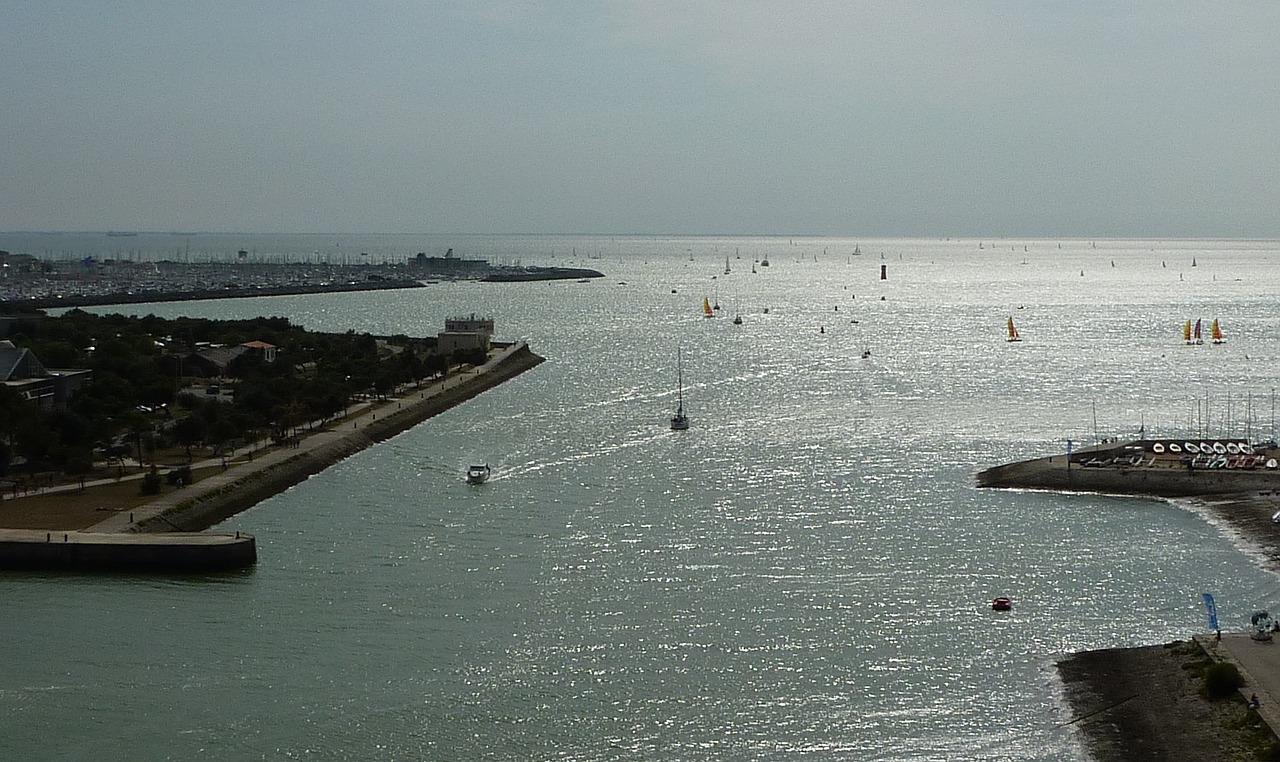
[806,572]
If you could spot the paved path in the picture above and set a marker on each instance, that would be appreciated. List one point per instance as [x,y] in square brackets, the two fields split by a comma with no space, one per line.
[1259,662]
[264,454]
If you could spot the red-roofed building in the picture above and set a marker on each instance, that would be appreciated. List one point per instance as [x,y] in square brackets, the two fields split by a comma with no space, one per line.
[268,351]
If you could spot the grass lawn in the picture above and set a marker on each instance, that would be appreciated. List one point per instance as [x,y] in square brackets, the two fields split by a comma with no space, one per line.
[80,509]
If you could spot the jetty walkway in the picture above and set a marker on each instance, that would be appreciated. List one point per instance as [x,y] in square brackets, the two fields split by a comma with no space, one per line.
[129,539]
[271,471]
[1259,664]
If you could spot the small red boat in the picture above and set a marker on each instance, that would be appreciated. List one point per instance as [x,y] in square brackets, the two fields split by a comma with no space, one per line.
[1002,604]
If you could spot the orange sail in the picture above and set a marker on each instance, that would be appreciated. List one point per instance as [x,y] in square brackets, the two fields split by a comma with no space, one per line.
[1218,338]
[1013,331]
[706,307]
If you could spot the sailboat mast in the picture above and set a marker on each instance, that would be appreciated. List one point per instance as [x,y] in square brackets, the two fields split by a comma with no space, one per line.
[679,378]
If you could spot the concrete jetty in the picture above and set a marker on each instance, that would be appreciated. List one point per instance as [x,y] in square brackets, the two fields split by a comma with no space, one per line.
[166,534]
[1140,467]
[218,497]
[90,551]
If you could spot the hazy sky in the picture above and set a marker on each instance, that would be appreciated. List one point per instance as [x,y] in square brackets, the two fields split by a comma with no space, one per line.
[1022,118]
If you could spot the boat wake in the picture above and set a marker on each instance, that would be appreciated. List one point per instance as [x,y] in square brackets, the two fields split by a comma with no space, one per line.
[638,438]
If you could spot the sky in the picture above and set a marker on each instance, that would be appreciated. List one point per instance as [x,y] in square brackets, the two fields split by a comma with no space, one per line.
[1030,118]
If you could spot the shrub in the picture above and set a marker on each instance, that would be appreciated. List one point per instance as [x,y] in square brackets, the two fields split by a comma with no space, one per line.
[1222,681]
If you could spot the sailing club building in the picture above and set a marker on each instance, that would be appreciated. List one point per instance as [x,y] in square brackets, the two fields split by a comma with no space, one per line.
[465,333]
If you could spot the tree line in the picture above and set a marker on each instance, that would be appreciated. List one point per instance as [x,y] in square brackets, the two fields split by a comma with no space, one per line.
[141,397]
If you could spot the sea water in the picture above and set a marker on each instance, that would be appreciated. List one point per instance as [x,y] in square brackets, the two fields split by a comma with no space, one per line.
[806,572]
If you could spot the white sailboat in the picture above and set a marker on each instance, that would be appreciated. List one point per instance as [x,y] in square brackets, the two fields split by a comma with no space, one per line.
[679,421]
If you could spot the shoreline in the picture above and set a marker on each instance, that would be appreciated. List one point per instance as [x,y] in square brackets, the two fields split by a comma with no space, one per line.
[1241,500]
[1145,702]
[148,297]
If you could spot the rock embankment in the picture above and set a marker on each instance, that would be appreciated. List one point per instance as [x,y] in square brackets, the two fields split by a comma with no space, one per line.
[1146,703]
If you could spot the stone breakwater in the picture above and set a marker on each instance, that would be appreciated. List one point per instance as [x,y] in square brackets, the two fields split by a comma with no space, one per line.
[1158,476]
[256,481]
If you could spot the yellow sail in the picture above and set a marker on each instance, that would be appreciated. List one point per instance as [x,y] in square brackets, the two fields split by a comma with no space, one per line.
[1186,331]
[706,307]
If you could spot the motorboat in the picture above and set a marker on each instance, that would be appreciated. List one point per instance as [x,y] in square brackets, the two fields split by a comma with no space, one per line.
[1002,604]
[478,474]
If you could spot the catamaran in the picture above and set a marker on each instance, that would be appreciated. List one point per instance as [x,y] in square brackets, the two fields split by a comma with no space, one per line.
[680,421]
[1013,331]
[706,307]
[1218,338]
[1186,331]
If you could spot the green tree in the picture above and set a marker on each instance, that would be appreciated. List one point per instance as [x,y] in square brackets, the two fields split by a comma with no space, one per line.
[189,431]
[79,463]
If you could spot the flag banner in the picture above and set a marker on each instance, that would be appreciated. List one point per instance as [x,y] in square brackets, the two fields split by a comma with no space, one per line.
[1212,608]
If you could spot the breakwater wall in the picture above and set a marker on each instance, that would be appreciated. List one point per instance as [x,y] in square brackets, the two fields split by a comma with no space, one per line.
[261,482]
[88,551]
[1172,480]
